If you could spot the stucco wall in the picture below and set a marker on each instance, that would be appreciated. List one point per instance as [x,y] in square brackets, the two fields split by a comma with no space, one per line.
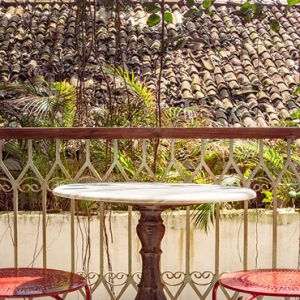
[173,246]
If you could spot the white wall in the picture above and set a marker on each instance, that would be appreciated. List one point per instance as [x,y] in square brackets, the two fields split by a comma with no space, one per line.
[173,246]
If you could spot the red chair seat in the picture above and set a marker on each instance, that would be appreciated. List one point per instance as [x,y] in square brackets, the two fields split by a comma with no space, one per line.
[268,282]
[36,282]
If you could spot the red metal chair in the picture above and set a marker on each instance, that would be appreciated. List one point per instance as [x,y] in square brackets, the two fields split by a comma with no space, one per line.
[269,282]
[37,282]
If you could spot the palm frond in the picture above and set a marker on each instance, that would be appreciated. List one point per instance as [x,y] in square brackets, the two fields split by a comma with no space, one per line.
[15,149]
[24,89]
[138,88]
[203,215]
[45,102]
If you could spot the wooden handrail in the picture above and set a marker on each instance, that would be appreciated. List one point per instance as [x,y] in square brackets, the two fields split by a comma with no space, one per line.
[148,133]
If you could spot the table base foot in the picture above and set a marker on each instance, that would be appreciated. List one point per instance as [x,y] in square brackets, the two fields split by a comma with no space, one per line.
[151,293]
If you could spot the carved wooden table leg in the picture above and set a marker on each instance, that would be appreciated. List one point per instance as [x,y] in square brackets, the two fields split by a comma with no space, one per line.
[150,231]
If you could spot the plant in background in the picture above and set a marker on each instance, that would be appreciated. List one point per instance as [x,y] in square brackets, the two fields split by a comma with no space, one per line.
[249,12]
[247,155]
[142,100]
[44,104]
[268,198]
[54,104]
[297,90]
[160,16]
[294,120]
[294,196]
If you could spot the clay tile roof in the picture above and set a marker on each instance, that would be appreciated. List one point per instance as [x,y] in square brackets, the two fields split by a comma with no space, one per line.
[237,74]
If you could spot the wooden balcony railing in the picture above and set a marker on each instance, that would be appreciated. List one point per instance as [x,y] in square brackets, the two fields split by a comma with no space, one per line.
[34,160]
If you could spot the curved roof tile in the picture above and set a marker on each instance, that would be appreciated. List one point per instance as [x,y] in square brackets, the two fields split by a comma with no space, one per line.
[245,73]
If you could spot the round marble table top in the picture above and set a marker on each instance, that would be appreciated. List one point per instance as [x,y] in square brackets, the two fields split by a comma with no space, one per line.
[168,194]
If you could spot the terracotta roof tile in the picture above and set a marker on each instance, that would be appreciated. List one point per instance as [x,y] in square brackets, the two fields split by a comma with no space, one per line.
[239,74]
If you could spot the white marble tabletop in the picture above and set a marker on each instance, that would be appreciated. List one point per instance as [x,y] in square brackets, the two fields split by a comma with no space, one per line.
[168,194]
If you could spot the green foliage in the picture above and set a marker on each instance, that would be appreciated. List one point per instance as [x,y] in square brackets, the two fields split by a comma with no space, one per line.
[168,17]
[207,4]
[247,154]
[249,11]
[268,199]
[138,88]
[180,44]
[54,104]
[294,194]
[293,2]
[190,3]
[296,115]
[246,6]
[153,20]
[151,7]
[297,90]
[203,215]
[126,162]
[142,101]
[45,103]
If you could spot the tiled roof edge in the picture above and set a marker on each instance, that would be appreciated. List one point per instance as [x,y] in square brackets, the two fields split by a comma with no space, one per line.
[217,2]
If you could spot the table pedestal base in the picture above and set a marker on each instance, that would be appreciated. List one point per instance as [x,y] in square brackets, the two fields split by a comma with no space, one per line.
[150,231]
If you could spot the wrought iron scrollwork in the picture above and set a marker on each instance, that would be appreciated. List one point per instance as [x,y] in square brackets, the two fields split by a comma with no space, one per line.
[116,279]
[30,184]
[206,275]
[5,185]
[179,277]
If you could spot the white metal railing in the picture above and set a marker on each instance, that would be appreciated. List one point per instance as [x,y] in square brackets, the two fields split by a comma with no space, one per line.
[31,168]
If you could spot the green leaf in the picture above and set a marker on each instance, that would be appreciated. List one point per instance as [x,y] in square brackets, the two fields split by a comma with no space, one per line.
[297,90]
[246,6]
[293,2]
[168,17]
[274,25]
[254,7]
[268,198]
[151,7]
[207,3]
[190,3]
[153,20]
[295,115]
